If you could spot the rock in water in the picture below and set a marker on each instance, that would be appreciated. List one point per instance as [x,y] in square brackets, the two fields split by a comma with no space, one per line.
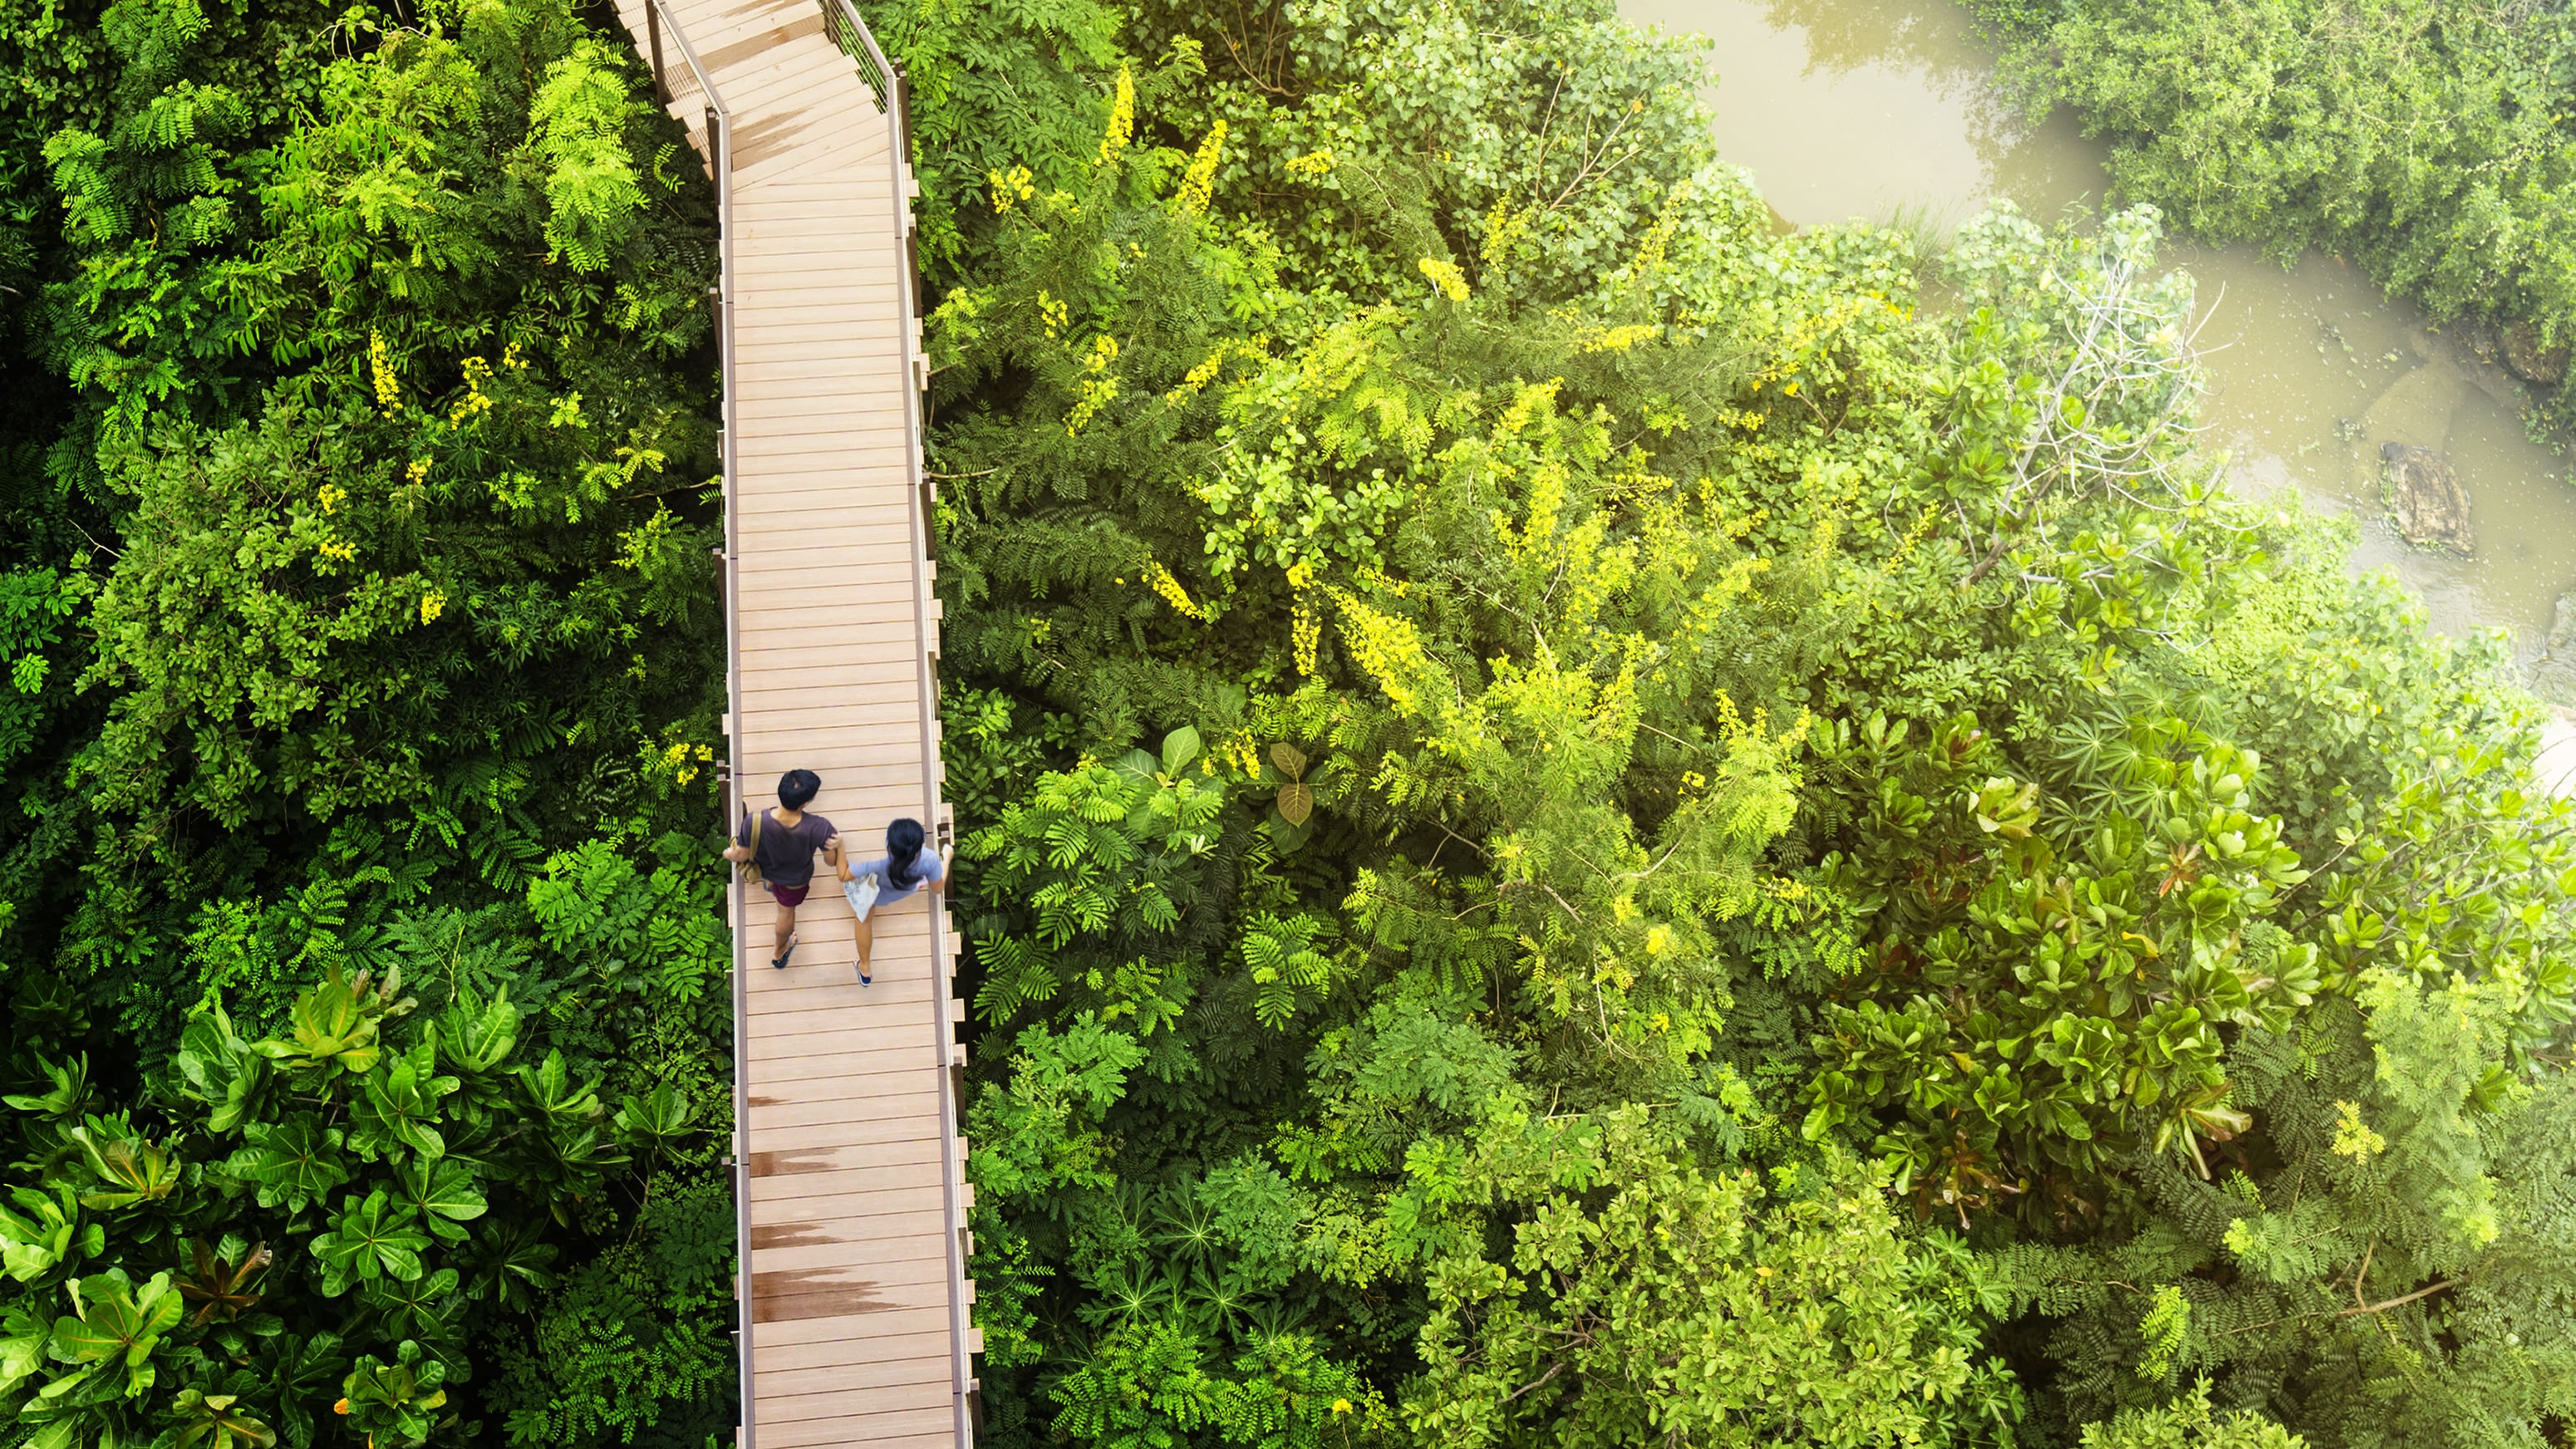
[2525,358]
[2425,497]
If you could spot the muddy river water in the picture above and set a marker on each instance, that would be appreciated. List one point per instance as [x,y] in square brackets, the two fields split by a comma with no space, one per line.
[1886,109]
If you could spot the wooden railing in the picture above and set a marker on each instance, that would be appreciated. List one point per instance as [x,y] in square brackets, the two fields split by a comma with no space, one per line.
[885,80]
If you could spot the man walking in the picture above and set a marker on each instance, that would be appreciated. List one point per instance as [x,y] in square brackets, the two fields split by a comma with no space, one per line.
[781,844]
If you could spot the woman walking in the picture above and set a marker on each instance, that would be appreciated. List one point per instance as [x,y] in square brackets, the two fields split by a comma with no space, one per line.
[903,869]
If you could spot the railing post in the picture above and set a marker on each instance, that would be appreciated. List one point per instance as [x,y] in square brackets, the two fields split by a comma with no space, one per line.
[653,28]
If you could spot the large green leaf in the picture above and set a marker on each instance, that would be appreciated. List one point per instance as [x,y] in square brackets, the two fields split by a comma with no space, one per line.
[69,1094]
[656,1119]
[220,1069]
[33,1245]
[477,1035]
[442,1192]
[292,1164]
[332,1032]
[24,1334]
[335,1029]
[552,1091]
[371,1238]
[399,1107]
[395,1404]
[1296,802]
[112,1326]
[217,1421]
[1179,748]
[131,1169]
[419,1308]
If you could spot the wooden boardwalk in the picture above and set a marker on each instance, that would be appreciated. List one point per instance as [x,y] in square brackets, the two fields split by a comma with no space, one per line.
[848,1166]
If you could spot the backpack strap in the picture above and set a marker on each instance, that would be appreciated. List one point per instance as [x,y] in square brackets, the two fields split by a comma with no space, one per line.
[751,865]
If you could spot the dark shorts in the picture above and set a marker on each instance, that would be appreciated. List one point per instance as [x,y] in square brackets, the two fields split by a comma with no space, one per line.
[789,896]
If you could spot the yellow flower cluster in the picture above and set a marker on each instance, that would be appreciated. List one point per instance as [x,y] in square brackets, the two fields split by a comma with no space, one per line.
[1736,526]
[1255,350]
[1313,163]
[1820,544]
[1099,384]
[1905,547]
[1504,229]
[332,496]
[1386,646]
[1730,725]
[380,366]
[1376,578]
[335,550]
[1122,119]
[1527,403]
[1242,753]
[2353,1137]
[476,402]
[684,760]
[1812,333]
[1306,635]
[1199,182]
[416,471]
[432,604]
[1011,187]
[1160,580]
[1446,277]
[1053,313]
[1650,252]
[1620,339]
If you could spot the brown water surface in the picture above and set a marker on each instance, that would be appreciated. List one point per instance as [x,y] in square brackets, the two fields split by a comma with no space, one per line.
[1887,110]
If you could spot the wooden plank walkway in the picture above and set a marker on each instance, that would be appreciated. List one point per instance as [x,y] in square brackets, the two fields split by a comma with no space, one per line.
[848,1163]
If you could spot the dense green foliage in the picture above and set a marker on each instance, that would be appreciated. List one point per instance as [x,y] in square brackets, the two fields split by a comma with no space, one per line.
[367,1081]
[2431,142]
[1582,826]
[1592,831]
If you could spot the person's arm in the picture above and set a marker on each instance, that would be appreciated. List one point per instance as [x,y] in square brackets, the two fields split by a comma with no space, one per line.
[741,847]
[835,858]
[939,886]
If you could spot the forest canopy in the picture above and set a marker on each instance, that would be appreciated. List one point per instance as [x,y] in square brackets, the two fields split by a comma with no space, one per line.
[2428,142]
[1584,821]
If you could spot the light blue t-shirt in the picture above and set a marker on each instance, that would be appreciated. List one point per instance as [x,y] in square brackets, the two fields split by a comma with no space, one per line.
[925,867]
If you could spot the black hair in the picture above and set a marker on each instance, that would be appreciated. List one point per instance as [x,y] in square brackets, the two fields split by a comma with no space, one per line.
[796,787]
[903,853]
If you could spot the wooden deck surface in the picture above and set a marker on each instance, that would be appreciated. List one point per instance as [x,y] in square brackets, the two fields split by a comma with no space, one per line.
[857,1300]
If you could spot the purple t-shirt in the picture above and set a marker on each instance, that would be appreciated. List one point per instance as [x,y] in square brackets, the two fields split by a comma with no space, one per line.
[786,852]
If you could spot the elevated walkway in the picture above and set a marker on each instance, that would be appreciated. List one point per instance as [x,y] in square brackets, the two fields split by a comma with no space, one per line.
[847,1159]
